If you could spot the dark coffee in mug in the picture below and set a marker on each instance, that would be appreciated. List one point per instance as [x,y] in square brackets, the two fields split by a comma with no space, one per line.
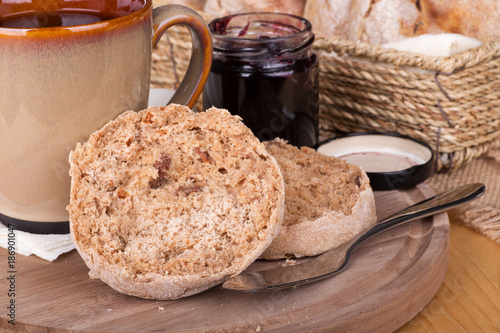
[55,19]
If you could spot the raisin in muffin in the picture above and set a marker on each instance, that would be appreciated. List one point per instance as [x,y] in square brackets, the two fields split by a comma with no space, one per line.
[327,202]
[166,202]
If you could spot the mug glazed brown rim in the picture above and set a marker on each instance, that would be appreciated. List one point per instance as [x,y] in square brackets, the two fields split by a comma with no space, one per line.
[83,28]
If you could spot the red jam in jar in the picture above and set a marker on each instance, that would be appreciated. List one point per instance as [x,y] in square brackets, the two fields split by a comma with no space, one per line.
[265,71]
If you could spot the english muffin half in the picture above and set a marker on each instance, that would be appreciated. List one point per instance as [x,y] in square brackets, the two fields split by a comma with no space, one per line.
[166,202]
[327,202]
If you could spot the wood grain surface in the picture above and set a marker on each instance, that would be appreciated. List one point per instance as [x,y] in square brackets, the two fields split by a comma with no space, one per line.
[391,278]
[469,298]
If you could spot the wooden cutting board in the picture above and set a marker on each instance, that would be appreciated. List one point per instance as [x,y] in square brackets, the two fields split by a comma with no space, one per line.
[390,279]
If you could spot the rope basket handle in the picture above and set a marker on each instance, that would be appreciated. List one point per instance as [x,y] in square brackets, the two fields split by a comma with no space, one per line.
[376,53]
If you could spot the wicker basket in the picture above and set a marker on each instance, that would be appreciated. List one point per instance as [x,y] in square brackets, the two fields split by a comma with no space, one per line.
[452,103]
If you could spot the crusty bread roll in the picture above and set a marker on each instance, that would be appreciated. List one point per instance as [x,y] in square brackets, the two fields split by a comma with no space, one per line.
[374,22]
[385,21]
[167,202]
[478,19]
[193,4]
[226,7]
[328,202]
[330,17]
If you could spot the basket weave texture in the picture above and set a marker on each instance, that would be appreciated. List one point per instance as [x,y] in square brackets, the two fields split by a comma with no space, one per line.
[451,103]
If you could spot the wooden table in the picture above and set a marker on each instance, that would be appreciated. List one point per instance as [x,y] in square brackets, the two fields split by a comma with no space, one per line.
[469,298]
[467,301]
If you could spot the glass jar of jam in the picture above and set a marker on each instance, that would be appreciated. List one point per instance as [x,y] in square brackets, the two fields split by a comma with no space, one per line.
[265,71]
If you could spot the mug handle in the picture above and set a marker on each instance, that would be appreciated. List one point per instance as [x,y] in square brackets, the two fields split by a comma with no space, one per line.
[201,55]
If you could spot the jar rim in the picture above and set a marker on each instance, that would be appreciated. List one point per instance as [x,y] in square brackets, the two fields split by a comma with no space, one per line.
[261,35]
[221,23]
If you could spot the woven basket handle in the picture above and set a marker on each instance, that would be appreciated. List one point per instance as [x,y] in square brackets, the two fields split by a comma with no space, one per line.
[196,75]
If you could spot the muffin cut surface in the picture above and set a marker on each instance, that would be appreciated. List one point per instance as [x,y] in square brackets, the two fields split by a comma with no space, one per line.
[327,202]
[167,202]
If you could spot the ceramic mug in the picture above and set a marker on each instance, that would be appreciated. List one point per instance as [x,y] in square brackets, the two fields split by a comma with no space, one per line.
[66,68]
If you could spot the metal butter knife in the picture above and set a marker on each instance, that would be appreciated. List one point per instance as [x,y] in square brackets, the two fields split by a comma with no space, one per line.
[335,261]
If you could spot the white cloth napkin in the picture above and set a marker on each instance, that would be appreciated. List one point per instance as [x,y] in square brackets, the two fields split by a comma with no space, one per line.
[439,45]
[47,247]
